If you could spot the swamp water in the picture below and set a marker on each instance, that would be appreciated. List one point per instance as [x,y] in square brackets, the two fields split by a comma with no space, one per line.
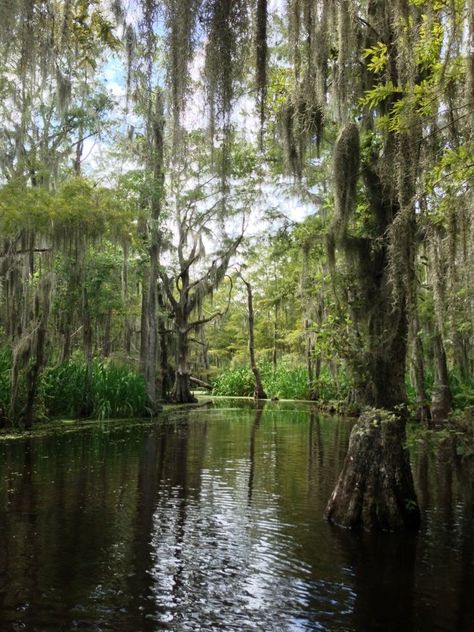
[212,520]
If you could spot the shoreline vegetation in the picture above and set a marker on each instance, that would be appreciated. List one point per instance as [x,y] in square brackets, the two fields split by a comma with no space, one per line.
[117,394]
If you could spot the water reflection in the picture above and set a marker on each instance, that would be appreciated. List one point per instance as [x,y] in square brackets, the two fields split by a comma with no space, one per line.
[260,404]
[213,521]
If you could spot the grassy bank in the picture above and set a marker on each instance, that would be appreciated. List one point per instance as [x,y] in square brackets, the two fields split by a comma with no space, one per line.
[72,390]
[291,382]
[286,382]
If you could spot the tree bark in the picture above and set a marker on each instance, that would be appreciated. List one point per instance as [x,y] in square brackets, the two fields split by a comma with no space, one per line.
[441,400]
[166,383]
[107,347]
[127,330]
[375,489]
[313,394]
[274,350]
[42,309]
[423,412]
[66,347]
[87,347]
[201,383]
[259,390]
[33,375]
[182,386]
[149,336]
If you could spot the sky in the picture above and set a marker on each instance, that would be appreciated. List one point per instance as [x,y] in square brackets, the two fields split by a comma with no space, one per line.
[277,194]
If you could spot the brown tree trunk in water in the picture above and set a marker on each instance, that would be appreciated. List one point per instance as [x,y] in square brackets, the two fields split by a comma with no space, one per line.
[441,400]
[259,391]
[375,489]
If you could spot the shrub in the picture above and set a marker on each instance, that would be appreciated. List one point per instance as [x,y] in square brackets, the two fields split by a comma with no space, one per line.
[238,382]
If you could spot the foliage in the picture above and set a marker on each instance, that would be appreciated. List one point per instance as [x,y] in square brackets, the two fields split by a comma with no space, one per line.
[108,391]
[287,382]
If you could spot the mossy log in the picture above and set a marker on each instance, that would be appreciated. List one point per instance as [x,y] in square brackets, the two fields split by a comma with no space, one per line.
[375,489]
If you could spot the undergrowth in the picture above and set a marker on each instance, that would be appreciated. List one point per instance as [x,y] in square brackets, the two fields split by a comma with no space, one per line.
[71,390]
[105,391]
[286,382]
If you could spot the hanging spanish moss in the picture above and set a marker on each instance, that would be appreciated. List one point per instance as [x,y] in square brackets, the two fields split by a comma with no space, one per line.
[181,18]
[130,49]
[63,92]
[346,174]
[302,117]
[261,60]
[227,23]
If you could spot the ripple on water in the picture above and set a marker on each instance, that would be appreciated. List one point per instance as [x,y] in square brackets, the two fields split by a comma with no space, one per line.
[215,523]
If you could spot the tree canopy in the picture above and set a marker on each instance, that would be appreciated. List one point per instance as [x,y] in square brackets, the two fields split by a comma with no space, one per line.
[152,157]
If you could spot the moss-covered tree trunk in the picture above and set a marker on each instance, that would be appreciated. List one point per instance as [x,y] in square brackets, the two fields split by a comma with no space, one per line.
[375,487]
[149,324]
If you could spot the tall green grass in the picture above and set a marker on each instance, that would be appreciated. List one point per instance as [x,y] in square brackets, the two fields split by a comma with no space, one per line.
[287,382]
[106,391]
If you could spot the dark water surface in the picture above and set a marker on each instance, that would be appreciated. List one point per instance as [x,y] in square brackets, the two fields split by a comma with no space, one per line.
[213,521]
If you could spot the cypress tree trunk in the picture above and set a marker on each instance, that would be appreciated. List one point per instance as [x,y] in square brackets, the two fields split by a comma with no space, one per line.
[423,413]
[66,347]
[107,347]
[38,350]
[144,323]
[461,355]
[87,347]
[151,351]
[441,400]
[182,386]
[127,330]
[313,371]
[149,325]
[259,391]
[33,375]
[274,350]
[165,382]
[375,489]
